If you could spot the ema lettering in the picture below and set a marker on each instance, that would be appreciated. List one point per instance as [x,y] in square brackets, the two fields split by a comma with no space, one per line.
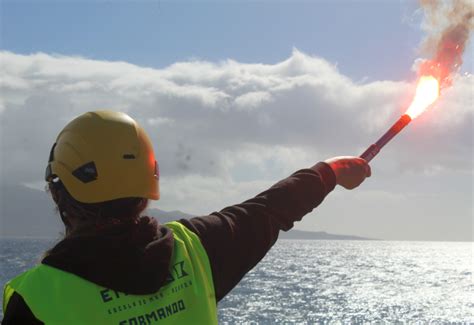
[176,272]
[156,315]
[109,295]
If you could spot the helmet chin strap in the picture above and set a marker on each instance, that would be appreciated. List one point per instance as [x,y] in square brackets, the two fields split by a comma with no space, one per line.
[54,184]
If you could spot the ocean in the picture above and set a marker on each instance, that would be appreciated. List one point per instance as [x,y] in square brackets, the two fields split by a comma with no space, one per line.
[334,281]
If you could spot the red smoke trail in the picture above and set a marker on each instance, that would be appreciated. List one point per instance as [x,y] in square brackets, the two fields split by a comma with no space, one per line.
[448,24]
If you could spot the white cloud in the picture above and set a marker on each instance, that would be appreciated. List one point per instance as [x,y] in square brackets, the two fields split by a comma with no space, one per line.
[198,194]
[229,124]
[205,108]
[251,100]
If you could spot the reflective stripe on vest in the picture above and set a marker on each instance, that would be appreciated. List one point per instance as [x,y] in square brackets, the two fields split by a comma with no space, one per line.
[58,297]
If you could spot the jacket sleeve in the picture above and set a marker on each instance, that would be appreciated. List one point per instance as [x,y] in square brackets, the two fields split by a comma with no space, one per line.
[18,312]
[239,236]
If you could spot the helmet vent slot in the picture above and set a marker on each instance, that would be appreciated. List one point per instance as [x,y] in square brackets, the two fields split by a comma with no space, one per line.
[129,156]
[86,173]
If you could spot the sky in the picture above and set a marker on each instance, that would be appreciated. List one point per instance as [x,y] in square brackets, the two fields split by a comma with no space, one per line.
[239,94]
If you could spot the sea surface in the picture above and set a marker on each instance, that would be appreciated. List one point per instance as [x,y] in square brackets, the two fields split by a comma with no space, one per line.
[318,281]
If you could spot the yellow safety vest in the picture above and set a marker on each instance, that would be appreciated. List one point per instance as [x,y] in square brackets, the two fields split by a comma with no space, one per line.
[58,297]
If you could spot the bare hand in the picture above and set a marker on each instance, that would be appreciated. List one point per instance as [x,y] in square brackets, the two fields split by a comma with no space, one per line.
[350,171]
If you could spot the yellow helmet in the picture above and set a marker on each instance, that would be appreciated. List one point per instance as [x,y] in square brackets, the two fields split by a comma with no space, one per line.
[102,156]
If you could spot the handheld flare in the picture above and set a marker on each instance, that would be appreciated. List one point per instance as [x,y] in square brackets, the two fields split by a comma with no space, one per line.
[374,149]
[427,92]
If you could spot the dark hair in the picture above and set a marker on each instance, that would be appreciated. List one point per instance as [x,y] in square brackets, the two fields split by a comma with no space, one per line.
[95,216]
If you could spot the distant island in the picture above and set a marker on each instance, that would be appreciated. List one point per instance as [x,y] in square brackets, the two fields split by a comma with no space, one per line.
[164,217]
[317,235]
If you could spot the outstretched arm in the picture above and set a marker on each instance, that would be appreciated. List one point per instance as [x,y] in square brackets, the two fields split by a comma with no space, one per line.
[239,236]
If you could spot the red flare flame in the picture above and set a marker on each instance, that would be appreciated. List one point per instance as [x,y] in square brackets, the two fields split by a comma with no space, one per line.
[427,91]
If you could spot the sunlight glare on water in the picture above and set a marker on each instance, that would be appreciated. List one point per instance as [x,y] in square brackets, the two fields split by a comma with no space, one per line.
[356,281]
[320,281]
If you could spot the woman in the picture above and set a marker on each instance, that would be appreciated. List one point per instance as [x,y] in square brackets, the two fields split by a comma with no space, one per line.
[117,267]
